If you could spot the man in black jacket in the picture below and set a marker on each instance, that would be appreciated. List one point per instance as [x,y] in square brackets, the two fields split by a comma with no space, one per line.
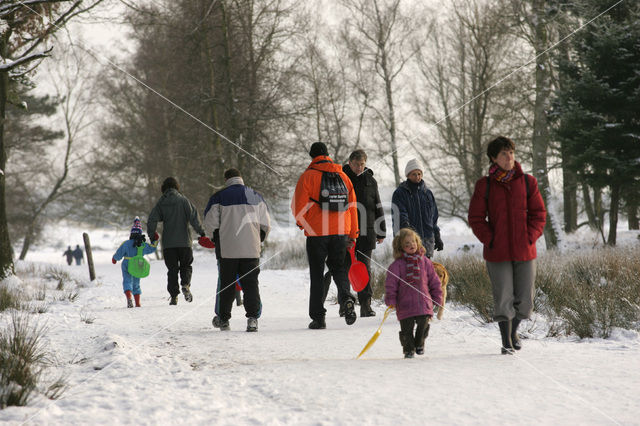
[370,219]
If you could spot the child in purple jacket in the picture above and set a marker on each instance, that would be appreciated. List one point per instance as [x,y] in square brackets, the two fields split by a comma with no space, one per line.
[413,288]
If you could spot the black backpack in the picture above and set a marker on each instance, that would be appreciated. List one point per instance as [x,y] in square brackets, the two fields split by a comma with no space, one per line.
[334,195]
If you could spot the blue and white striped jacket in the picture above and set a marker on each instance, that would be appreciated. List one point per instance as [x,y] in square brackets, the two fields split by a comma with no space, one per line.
[239,214]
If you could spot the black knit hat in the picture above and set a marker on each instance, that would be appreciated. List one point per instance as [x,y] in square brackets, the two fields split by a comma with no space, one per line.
[318,148]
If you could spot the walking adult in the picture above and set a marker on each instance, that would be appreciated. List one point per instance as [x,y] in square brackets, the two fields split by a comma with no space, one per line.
[414,206]
[328,215]
[176,213]
[78,255]
[507,215]
[69,255]
[238,218]
[373,228]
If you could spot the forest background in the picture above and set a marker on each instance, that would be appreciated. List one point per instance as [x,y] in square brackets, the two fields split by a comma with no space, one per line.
[197,86]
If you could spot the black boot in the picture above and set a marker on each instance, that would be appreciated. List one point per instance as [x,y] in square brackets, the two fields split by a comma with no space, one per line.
[505,333]
[408,347]
[515,339]
[365,309]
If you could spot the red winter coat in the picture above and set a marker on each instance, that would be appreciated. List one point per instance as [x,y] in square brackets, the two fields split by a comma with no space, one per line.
[514,224]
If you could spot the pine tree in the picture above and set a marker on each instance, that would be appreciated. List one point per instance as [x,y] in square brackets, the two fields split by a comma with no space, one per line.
[597,108]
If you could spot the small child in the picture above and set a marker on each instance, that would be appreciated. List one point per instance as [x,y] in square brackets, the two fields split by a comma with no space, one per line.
[127,250]
[413,288]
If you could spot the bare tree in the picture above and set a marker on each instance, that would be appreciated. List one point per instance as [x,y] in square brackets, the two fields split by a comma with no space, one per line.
[336,100]
[535,17]
[379,33]
[71,84]
[465,96]
[24,30]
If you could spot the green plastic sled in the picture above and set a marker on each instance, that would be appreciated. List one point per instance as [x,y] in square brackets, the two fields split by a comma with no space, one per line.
[139,266]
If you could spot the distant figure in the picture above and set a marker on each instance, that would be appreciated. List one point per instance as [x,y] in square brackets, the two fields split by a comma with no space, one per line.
[69,254]
[77,253]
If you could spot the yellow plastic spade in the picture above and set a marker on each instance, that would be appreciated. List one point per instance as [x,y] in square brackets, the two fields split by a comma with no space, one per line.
[376,334]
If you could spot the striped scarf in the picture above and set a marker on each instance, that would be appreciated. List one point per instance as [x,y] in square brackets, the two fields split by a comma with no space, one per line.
[413,268]
[501,175]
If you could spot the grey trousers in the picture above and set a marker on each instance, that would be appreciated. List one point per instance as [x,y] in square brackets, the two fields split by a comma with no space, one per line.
[513,287]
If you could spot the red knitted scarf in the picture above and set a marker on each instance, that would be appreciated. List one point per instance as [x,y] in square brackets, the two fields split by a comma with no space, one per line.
[501,175]
[413,268]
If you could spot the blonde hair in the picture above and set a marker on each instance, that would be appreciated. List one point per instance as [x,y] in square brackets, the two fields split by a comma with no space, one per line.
[399,239]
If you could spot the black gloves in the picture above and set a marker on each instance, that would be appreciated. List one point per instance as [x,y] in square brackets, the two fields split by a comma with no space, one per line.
[439,245]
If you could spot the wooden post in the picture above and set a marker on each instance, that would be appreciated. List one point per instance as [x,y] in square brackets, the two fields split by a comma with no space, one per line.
[87,249]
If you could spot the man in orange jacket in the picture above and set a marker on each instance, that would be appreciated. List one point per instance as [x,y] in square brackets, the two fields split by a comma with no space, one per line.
[329,232]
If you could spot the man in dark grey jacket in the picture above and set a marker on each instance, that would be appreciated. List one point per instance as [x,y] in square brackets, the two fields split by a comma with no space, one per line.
[176,212]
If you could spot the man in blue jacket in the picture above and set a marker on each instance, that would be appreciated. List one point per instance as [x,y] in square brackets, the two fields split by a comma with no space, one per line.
[413,206]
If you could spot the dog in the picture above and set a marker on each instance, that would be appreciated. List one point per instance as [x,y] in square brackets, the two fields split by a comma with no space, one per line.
[444,280]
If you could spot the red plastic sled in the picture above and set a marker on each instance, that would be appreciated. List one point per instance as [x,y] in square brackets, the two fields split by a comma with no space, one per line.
[358,275]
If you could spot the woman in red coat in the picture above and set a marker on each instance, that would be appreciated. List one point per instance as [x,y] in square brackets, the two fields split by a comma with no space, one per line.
[507,215]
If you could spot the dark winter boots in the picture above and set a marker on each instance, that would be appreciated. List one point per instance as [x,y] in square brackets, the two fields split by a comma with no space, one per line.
[136,297]
[505,333]
[408,344]
[365,309]
[349,312]
[317,325]
[186,291]
[515,339]
[223,325]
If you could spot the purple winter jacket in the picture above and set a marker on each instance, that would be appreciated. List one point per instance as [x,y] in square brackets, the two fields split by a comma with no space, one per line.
[410,301]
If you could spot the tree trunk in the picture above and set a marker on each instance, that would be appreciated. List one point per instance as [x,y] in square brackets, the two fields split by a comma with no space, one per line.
[26,244]
[540,140]
[392,127]
[570,197]
[6,253]
[613,214]
[588,206]
[632,213]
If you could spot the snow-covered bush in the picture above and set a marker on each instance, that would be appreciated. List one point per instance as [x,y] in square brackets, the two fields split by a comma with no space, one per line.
[9,299]
[290,254]
[23,361]
[586,294]
[590,294]
[469,285]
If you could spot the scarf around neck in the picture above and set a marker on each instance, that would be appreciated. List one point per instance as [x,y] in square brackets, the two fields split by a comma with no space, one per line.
[501,175]
[413,268]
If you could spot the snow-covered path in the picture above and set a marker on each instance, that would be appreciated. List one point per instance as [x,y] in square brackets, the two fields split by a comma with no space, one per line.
[163,364]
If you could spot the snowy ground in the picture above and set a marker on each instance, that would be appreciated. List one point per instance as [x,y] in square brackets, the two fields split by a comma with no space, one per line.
[163,364]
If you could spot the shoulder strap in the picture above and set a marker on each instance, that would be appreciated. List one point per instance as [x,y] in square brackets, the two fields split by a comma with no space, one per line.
[486,196]
[526,184]
[486,192]
[140,251]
